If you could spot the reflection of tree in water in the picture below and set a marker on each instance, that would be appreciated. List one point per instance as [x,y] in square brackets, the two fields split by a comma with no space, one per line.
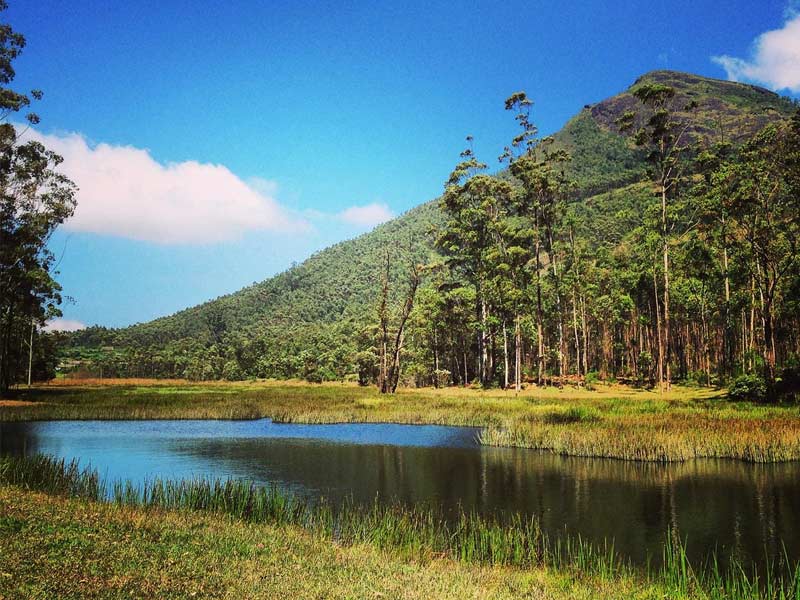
[733,508]
[410,475]
[18,439]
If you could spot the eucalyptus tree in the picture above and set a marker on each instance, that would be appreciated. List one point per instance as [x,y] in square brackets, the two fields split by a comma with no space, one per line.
[511,258]
[473,203]
[766,205]
[539,169]
[713,194]
[659,128]
[34,199]
[390,348]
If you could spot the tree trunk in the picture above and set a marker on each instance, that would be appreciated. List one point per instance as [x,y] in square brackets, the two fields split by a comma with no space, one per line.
[484,345]
[30,354]
[667,330]
[505,357]
[752,343]
[517,355]
[435,358]
[394,370]
[660,335]
[539,318]
[769,346]
[575,331]
[383,317]
[585,336]
[727,332]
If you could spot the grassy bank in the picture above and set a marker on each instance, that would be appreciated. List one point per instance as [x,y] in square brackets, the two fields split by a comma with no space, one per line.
[58,548]
[611,421]
[231,539]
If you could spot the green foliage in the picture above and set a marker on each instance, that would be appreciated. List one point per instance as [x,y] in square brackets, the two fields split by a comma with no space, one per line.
[751,388]
[232,371]
[34,200]
[591,380]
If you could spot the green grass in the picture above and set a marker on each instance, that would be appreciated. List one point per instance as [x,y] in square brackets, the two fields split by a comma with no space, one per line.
[417,539]
[52,547]
[612,421]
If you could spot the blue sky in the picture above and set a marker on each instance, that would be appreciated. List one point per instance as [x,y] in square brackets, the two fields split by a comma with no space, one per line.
[215,143]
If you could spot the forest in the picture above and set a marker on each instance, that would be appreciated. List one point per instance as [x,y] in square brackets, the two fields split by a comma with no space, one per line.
[652,240]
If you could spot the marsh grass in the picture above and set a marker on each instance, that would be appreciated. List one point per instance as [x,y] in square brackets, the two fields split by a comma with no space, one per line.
[572,414]
[53,476]
[612,421]
[416,534]
[411,532]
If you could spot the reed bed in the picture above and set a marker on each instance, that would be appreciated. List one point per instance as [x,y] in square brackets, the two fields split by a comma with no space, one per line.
[417,534]
[53,476]
[411,532]
[661,438]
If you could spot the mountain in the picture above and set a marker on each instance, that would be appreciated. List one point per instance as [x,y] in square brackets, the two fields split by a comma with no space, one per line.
[320,307]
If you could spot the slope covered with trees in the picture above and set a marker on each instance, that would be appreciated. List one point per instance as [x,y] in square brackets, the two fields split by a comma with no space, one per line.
[635,243]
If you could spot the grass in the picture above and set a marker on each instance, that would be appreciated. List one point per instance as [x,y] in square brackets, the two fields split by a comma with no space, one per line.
[230,538]
[611,421]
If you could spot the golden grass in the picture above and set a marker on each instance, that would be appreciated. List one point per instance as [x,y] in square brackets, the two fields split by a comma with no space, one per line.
[16,403]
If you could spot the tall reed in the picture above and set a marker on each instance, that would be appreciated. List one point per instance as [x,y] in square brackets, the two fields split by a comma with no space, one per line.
[53,476]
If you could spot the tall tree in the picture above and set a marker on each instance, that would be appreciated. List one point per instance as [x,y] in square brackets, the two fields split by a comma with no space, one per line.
[390,352]
[538,168]
[766,200]
[473,203]
[34,199]
[664,135]
[713,194]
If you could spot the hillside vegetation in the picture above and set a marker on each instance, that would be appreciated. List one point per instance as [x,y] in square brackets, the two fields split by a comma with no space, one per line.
[318,319]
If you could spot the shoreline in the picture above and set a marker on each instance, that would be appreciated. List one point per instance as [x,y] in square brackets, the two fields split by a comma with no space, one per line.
[611,422]
[48,505]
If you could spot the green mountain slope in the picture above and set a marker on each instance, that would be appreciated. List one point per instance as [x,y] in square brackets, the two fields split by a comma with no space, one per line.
[282,325]
[337,283]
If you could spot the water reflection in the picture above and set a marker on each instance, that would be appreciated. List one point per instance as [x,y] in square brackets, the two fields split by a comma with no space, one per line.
[733,508]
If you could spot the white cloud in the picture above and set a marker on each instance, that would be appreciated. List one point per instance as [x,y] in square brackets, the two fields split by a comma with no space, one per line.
[125,192]
[368,215]
[64,325]
[775,60]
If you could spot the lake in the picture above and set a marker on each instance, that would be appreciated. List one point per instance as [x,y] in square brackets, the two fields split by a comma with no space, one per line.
[732,508]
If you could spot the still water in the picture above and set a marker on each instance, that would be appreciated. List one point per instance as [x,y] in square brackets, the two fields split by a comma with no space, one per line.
[732,508]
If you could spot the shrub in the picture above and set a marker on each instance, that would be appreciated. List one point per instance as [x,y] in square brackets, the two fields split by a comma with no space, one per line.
[643,375]
[697,378]
[591,379]
[748,387]
[441,378]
